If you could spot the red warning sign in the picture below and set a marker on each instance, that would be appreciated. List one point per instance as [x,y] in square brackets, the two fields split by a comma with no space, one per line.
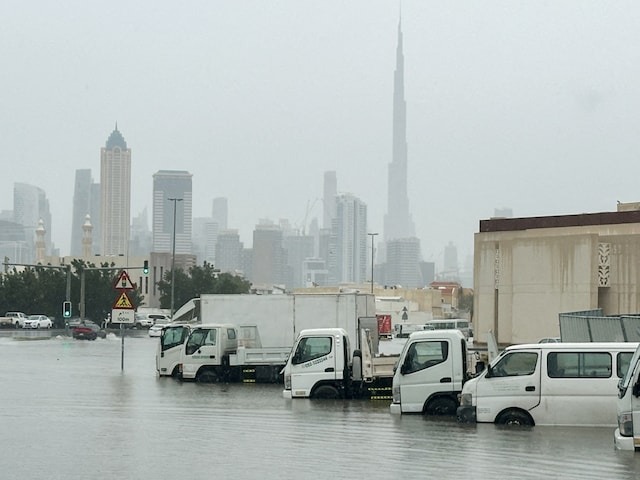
[123,282]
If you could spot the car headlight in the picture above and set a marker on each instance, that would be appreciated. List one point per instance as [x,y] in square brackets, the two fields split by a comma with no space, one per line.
[625,424]
[466,399]
[396,394]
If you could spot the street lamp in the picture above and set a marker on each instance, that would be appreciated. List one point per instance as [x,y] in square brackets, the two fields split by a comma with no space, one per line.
[372,235]
[173,254]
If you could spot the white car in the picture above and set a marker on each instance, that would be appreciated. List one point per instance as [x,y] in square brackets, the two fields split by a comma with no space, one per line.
[37,321]
[143,320]
[156,329]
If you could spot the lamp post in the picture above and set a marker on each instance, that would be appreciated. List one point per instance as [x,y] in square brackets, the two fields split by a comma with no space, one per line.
[372,235]
[173,254]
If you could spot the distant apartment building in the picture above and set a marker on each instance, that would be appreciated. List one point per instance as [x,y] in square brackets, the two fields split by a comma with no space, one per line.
[172,199]
[86,201]
[403,263]
[141,241]
[220,212]
[269,259]
[298,248]
[229,252]
[205,237]
[30,205]
[330,190]
[115,202]
[348,259]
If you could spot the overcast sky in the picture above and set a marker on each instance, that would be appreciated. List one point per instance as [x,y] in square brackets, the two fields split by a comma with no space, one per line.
[531,105]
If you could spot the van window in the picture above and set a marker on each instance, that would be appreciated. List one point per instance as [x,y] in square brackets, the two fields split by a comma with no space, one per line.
[311,348]
[423,355]
[516,363]
[622,361]
[579,364]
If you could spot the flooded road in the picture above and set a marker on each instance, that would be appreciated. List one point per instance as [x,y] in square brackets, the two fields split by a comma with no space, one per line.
[69,412]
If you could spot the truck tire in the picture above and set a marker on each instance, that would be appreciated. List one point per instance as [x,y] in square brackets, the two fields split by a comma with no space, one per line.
[514,417]
[328,392]
[207,375]
[441,406]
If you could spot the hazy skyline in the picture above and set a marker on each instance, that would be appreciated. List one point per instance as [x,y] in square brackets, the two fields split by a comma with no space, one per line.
[532,106]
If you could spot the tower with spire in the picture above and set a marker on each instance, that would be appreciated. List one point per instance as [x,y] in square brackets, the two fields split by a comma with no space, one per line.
[397,221]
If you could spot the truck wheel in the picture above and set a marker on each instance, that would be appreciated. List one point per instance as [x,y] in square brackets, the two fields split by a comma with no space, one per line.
[514,417]
[326,392]
[441,406]
[207,376]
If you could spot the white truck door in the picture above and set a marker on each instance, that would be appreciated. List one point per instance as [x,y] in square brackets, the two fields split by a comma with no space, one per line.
[202,348]
[169,350]
[512,382]
[314,360]
[427,368]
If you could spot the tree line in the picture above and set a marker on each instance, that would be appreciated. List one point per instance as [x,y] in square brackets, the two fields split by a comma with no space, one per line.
[42,289]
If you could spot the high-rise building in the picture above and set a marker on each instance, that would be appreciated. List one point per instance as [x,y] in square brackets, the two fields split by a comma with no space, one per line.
[220,212]
[205,237]
[115,202]
[141,240]
[403,258]
[229,252]
[85,202]
[269,259]
[30,205]
[172,199]
[348,245]
[397,221]
[298,248]
[330,190]
[451,268]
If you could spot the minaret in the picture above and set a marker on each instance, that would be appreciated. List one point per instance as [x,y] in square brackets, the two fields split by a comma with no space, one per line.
[397,221]
[40,242]
[87,238]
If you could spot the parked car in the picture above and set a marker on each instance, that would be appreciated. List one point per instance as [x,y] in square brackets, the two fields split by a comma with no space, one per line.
[156,329]
[87,330]
[18,318]
[37,321]
[143,320]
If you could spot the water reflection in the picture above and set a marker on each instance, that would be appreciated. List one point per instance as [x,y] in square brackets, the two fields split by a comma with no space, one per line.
[71,413]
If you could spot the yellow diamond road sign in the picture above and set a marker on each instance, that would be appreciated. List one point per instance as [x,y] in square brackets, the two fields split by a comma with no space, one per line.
[123,302]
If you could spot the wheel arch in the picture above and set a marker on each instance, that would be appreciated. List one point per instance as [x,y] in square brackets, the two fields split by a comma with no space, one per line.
[439,395]
[516,410]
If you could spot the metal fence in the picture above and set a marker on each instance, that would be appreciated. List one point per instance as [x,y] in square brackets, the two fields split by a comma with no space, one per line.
[593,326]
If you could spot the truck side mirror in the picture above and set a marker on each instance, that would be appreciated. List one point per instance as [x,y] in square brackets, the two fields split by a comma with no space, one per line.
[403,369]
[636,389]
[479,367]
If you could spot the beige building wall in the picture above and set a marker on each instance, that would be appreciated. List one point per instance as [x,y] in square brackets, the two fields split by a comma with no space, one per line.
[524,279]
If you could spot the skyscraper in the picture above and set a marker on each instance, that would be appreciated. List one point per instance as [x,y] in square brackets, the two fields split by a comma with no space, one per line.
[269,259]
[397,221]
[220,212]
[174,184]
[348,245]
[330,190]
[84,203]
[115,202]
[30,205]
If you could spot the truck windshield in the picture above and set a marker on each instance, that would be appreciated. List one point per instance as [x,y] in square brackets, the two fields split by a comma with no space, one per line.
[172,337]
[634,361]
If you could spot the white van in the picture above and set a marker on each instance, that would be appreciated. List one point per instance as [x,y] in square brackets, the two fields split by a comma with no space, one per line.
[627,435]
[548,384]
[451,324]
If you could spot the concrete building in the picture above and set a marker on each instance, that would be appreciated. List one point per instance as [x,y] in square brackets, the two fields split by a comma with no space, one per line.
[159,264]
[529,270]
[205,237]
[115,202]
[297,249]
[220,212]
[172,189]
[330,190]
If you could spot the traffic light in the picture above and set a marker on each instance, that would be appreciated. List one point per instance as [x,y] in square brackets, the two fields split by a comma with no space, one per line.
[145,267]
[66,309]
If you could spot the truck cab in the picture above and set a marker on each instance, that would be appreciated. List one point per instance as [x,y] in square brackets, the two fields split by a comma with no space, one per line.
[318,364]
[205,355]
[430,373]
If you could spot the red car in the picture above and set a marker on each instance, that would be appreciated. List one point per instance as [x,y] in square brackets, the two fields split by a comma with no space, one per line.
[85,331]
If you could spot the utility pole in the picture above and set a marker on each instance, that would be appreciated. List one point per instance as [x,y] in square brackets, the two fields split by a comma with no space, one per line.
[372,235]
[173,254]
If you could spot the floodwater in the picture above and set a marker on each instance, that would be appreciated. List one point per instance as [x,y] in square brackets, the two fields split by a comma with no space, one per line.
[70,412]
